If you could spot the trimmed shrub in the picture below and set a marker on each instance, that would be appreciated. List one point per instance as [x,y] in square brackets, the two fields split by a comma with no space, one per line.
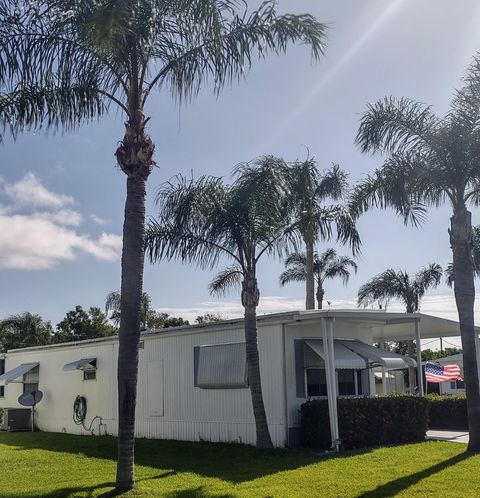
[448,412]
[365,422]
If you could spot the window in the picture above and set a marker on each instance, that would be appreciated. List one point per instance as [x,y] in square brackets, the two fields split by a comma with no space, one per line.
[457,384]
[30,380]
[2,371]
[316,382]
[220,366]
[90,374]
[346,382]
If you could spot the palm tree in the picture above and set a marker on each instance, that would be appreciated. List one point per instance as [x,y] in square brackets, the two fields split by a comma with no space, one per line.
[327,265]
[24,330]
[433,160]
[391,284]
[312,193]
[410,289]
[203,220]
[63,63]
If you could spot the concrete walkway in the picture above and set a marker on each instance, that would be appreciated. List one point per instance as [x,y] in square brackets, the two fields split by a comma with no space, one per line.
[451,436]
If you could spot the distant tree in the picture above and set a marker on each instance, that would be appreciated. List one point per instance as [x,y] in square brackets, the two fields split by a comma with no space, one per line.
[209,317]
[24,330]
[173,321]
[149,317]
[327,265]
[113,304]
[79,325]
[317,218]
[429,355]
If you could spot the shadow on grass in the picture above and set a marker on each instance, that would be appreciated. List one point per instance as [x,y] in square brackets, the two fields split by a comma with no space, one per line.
[233,463]
[91,491]
[392,488]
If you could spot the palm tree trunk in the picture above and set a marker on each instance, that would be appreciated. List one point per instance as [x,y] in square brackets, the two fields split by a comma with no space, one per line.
[320,294]
[463,270]
[250,298]
[134,156]
[309,280]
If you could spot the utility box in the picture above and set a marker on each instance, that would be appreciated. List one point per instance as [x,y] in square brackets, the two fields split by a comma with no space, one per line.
[16,419]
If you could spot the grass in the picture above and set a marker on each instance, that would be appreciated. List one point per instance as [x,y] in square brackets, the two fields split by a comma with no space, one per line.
[60,465]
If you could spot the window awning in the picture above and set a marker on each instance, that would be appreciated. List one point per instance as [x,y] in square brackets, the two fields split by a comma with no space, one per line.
[344,357]
[377,356]
[81,364]
[16,372]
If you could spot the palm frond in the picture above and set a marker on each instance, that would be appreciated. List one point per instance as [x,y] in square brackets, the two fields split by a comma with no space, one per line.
[396,125]
[293,274]
[340,267]
[225,280]
[333,183]
[218,43]
[395,185]
[385,286]
[428,277]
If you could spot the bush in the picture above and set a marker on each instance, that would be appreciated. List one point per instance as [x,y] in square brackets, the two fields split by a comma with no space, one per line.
[366,422]
[448,412]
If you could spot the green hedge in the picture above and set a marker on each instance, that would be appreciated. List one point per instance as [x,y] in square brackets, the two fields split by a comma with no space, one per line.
[448,412]
[365,422]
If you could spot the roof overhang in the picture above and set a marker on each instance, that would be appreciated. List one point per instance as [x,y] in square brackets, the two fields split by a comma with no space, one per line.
[379,357]
[344,357]
[16,372]
[81,364]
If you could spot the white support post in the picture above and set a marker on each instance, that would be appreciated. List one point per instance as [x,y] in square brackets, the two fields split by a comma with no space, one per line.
[384,371]
[477,348]
[331,380]
[419,357]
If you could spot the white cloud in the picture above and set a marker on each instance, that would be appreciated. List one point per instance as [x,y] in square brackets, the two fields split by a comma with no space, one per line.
[36,243]
[29,191]
[37,229]
[96,219]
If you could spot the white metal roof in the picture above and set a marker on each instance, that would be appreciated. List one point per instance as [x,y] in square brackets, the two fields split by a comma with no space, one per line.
[344,357]
[385,325]
[387,359]
[16,372]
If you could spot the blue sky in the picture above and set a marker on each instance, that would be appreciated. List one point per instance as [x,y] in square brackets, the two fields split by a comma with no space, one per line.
[61,196]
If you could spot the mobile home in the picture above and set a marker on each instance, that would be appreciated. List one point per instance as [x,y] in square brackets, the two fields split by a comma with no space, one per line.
[193,382]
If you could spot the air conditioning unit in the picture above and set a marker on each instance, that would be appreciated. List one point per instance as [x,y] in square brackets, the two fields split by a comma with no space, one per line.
[16,419]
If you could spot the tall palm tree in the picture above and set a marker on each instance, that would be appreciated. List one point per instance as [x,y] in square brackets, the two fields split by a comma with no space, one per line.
[203,220]
[327,265]
[433,160]
[63,63]
[312,196]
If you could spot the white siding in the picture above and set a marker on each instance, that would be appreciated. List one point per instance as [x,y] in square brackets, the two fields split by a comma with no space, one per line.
[168,404]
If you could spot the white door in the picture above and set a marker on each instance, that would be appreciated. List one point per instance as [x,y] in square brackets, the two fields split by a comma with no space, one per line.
[155,388]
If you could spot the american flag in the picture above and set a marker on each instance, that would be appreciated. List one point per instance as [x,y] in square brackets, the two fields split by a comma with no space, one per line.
[434,372]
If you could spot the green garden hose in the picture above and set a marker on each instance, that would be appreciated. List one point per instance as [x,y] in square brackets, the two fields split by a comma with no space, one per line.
[80,413]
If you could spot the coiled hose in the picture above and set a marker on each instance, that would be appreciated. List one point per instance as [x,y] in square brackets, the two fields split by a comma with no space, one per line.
[80,413]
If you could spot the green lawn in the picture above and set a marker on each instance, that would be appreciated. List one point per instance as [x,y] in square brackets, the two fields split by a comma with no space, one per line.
[44,464]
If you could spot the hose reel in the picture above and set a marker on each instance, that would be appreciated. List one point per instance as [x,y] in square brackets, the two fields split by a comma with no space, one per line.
[80,413]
